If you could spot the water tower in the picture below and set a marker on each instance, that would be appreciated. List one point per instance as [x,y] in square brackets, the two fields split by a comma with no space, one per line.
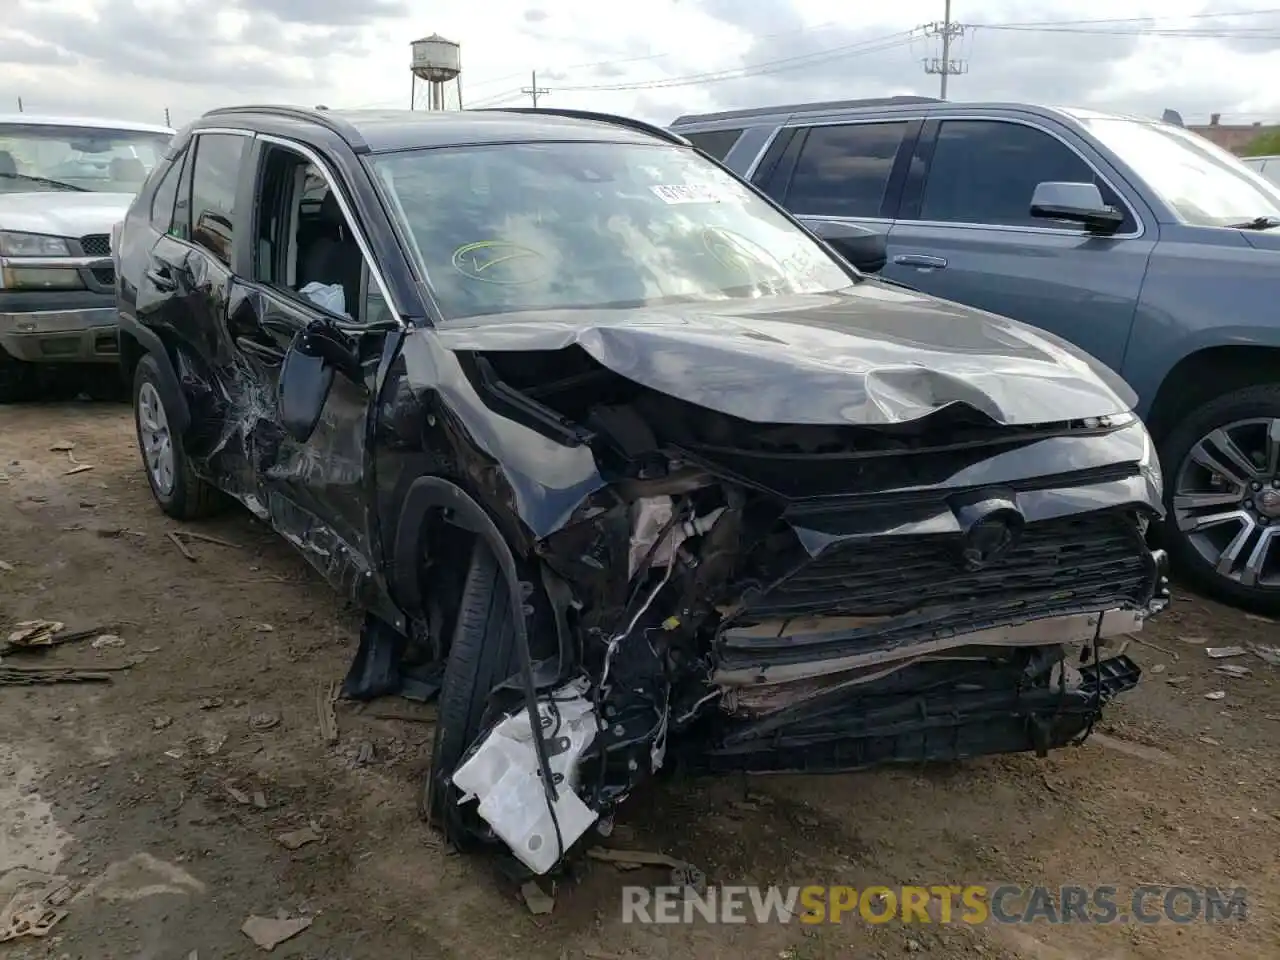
[437,61]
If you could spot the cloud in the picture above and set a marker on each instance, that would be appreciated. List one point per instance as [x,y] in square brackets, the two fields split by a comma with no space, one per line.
[135,58]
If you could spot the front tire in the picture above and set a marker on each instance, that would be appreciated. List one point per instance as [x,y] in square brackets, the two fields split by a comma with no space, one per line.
[1222,496]
[179,492]
[17,379]
[483,654]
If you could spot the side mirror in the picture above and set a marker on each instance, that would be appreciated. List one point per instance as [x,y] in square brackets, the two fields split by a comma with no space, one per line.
[306,376]
[1075,203]
[864,247]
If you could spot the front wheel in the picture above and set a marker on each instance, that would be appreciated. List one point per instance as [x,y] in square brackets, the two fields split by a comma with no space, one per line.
[1222,475]
[17,379]
[179,492]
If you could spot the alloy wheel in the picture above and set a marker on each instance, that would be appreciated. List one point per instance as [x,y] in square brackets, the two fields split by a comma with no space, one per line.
[157,444]
[1226,501]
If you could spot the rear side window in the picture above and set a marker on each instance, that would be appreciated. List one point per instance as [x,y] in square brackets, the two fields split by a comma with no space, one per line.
[843,170]
[166,195]
[985,171]
[717,143]
[213,192]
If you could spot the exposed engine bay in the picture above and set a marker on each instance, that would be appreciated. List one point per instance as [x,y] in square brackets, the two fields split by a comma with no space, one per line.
[795,598]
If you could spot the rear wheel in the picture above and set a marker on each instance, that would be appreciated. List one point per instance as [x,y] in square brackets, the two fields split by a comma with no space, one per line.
[180,493]
[483,654]
[1222,465]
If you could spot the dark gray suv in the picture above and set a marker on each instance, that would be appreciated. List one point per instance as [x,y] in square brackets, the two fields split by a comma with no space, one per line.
[1137,240]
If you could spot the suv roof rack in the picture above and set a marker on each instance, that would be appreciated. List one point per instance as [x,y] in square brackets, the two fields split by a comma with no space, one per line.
[617,120]
[804,108]
[324,118]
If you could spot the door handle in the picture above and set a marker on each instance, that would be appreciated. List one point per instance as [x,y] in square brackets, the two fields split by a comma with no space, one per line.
[920,260]
[162,279]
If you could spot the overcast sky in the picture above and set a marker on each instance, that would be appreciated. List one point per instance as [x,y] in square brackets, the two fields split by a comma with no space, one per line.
[134,58]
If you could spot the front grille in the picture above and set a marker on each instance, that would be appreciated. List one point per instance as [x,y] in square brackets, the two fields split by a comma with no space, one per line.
[96,245]
[106,276]
[1057,565]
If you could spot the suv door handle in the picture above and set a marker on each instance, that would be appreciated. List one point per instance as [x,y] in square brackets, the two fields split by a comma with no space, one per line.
[162,279]
[920,260]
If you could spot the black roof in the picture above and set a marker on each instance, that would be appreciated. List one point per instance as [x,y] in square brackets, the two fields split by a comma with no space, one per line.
[377,131]
[815,107]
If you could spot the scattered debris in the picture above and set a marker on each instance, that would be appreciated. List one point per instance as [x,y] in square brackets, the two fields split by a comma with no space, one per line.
[6,567]
[107,640]
[62,446]
[1158,668]
[268,933]
[688,876]
[182,547]
[1221,653]
[295,839]
[159,723]
[79,468]
[11,676]
[263,721]
[538,901]
[239,796]
[32,907]
[181,538]
[1174,681]
[264,628]
[177,753]
[210,703]
[1131,749]
[214,742]
[637,858]
[326,696]
[1231,670]
[1216,695]
[1210,741]
[33,633]
[1259,619]
[1264,652]
[1154,646]
[139,877]
[259,799]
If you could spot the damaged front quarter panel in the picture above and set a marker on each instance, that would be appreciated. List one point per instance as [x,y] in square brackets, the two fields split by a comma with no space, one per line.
[765,596]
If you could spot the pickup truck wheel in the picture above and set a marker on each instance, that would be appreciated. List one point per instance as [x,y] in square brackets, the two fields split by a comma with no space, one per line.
[482,655]
[17,381]
[180,493]
[1222,494]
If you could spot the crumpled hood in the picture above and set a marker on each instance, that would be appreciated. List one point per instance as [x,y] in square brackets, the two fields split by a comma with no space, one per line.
[63,214]
[876,354]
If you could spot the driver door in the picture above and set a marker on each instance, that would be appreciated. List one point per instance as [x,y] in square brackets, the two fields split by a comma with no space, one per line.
[306,269]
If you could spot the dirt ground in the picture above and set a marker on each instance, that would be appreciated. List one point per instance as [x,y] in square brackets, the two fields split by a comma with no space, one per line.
[159,796]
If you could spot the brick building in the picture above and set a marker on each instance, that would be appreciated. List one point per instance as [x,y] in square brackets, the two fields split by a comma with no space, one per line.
[1231,136]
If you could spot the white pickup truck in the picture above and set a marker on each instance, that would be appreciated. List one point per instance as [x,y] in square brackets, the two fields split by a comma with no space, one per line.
[64,183]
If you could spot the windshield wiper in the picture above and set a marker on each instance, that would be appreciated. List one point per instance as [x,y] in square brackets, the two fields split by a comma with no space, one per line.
[1257,223]
[46,180]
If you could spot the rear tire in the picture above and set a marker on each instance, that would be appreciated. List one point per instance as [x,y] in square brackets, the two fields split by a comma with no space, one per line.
[179,492]
[1243,498]
[483,654]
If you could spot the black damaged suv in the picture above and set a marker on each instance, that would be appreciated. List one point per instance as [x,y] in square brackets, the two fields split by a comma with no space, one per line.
[597,433]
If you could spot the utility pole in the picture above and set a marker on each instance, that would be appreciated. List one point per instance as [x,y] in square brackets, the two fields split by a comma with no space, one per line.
[20,105]
[166,117]
[533,90]
[944,66]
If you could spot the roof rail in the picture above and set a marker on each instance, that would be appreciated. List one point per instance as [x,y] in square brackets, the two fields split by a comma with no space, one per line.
[324,118]
[815,107]
[618,121]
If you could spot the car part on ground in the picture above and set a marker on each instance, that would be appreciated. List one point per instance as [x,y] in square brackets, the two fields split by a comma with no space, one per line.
[1137,240]
[64,184]
[625,466]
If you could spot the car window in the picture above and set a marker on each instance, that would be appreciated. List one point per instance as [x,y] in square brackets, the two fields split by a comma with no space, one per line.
[986,171]
[49,158]
[213,192]
[843,170]
[718,143]
[166,195]
[571,225]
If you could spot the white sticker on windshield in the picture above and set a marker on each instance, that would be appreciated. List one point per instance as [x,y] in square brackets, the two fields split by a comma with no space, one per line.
[691,193]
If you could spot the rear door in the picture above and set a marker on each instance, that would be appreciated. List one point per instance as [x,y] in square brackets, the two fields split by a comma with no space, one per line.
[965,232]
[827,173]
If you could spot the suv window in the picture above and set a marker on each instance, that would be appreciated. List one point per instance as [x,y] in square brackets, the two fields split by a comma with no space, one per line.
[985,171]
[213,192]
[843,170]
[718,143]
[166,195]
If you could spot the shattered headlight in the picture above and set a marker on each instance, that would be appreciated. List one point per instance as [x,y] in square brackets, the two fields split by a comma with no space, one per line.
[1150,462]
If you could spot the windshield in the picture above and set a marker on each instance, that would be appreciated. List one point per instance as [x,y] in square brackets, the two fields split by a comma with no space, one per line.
[38,158]
[1205,185]
[535,226]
